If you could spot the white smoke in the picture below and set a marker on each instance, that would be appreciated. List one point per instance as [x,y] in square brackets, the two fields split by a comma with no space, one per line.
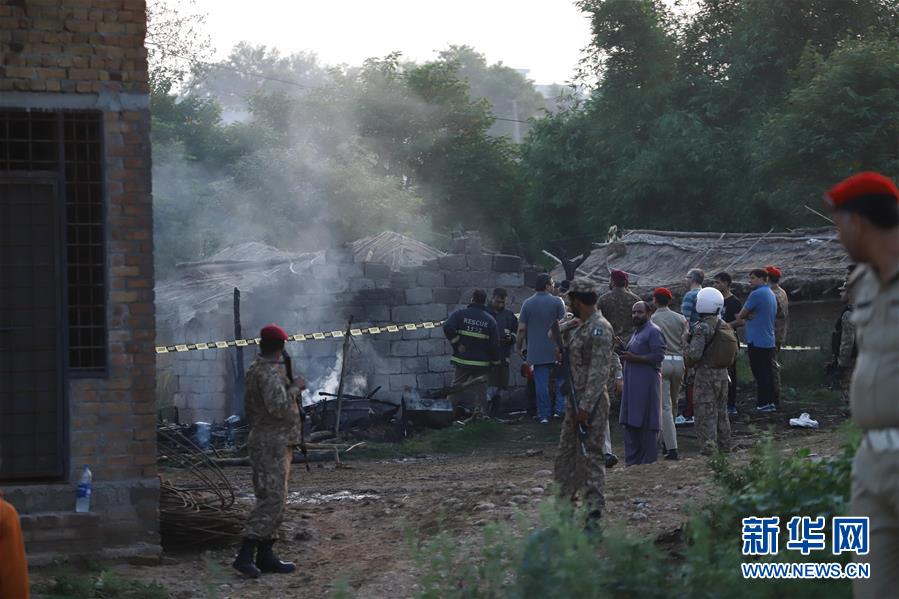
[353,384]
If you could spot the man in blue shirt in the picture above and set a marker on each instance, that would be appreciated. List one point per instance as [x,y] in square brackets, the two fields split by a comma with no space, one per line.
[758,316]
[538,313]
[688,305]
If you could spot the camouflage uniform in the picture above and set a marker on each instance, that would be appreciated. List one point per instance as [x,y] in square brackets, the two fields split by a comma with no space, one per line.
[274,421]
[709,391]
[616,305]
[780,333]
[590,351]
[846,357]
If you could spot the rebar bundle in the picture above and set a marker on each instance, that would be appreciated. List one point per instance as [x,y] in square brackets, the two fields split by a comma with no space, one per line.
[201,512]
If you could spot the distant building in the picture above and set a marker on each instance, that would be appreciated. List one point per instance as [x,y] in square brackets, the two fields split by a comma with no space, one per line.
[77,366]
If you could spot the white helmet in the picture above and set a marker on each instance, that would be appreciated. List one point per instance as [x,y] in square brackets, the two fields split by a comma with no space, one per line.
[709,301]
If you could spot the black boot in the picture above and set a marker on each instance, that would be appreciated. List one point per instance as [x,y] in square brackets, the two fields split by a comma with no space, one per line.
[671,455]
[244,562]
[267,561]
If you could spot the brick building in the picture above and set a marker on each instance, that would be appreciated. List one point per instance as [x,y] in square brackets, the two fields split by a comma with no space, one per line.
[77,366]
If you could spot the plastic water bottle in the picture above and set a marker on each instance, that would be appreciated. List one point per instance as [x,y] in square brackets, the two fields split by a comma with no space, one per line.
[83,496]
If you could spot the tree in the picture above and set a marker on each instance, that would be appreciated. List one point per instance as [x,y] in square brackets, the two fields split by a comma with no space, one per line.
[176,42]
[510,94]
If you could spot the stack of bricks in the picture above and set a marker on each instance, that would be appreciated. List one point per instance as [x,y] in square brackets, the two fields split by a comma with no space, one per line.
[83,46]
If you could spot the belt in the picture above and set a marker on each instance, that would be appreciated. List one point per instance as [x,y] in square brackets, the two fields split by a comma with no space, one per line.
[673,357]
[884,439]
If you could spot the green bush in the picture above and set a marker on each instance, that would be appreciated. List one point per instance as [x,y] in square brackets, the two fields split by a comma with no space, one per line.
[559,558]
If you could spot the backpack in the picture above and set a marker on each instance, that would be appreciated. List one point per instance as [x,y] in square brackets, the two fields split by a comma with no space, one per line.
[721,350]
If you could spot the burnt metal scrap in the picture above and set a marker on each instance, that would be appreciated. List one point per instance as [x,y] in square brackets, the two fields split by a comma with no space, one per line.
[200,512]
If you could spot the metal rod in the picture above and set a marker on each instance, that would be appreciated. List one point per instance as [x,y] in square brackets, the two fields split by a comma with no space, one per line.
[343,362]
[237,406]
[813,211]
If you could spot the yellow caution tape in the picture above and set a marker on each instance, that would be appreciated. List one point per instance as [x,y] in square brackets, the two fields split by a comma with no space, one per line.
[318,336]
[322,335]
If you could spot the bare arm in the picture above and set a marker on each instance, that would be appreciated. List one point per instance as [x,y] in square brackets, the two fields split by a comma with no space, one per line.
[522,334]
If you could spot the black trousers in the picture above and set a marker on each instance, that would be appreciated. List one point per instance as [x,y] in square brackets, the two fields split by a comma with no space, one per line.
[761,361]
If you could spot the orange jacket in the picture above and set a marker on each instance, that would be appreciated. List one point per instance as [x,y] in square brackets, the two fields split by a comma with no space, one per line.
[13,566]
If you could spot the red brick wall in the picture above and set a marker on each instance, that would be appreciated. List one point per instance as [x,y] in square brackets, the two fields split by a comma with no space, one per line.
[73,46]
[61,49]
[116,416]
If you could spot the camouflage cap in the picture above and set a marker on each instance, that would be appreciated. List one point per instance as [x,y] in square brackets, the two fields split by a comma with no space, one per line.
[582,285]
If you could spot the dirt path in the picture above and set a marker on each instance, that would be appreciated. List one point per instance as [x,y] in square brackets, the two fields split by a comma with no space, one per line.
[352,523]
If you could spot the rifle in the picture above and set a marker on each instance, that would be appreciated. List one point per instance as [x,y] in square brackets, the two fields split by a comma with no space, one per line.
[288,367]
[579,429]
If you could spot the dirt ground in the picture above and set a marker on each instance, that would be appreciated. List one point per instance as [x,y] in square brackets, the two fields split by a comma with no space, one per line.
[352,523]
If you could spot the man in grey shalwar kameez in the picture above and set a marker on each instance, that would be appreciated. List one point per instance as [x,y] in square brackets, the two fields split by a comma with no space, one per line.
[641,398]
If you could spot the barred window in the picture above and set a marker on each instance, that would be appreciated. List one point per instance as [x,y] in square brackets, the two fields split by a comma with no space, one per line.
[69,145]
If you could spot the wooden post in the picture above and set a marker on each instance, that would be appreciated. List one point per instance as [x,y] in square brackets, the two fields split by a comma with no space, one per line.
[343,362]
[237,406]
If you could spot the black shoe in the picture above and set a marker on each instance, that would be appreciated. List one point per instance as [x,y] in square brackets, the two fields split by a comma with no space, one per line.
[611,460]
[671,455]
[267,561]
[244,561]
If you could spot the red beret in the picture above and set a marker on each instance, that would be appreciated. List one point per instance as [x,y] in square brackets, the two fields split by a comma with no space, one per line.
[664,292]
[860,185]
[619,275]
[272,332]
[773,270]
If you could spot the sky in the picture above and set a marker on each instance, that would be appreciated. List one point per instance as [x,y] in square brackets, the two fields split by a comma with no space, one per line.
[543,36]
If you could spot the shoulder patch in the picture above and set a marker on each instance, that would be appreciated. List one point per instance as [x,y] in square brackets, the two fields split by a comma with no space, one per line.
[597,331]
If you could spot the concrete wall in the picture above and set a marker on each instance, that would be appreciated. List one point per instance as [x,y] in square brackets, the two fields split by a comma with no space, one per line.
[90,54]
[200,383]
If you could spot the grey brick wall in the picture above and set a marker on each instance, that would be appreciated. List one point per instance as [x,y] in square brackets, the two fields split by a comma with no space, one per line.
[375,296]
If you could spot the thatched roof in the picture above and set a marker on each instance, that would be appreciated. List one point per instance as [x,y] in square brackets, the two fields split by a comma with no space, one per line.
[202,287]
[813,261]
[394,249]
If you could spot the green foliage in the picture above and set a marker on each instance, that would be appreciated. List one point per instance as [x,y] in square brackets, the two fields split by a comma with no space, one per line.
[775,484]
[559,558]
[721,119]
[336,156]
[105,585]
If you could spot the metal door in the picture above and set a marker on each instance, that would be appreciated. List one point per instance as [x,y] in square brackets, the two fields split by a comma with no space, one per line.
[32,419]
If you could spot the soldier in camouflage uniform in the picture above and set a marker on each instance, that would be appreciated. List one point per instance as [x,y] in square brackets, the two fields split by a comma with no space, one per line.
[616,305]
[781,318]
[710,384]
[273,415]
[847,354]
[589,339]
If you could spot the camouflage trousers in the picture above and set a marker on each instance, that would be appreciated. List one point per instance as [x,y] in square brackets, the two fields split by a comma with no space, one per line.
[579,476]
[710,409]
[845,383]
[271,468]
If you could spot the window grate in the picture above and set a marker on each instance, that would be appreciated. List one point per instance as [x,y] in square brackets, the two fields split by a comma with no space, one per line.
[86,259]
[70,144]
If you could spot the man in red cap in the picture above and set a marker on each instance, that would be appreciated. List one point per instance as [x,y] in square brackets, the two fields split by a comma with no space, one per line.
[674,329]
[274,419]
[865,208]
[616,304]
[780,322]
